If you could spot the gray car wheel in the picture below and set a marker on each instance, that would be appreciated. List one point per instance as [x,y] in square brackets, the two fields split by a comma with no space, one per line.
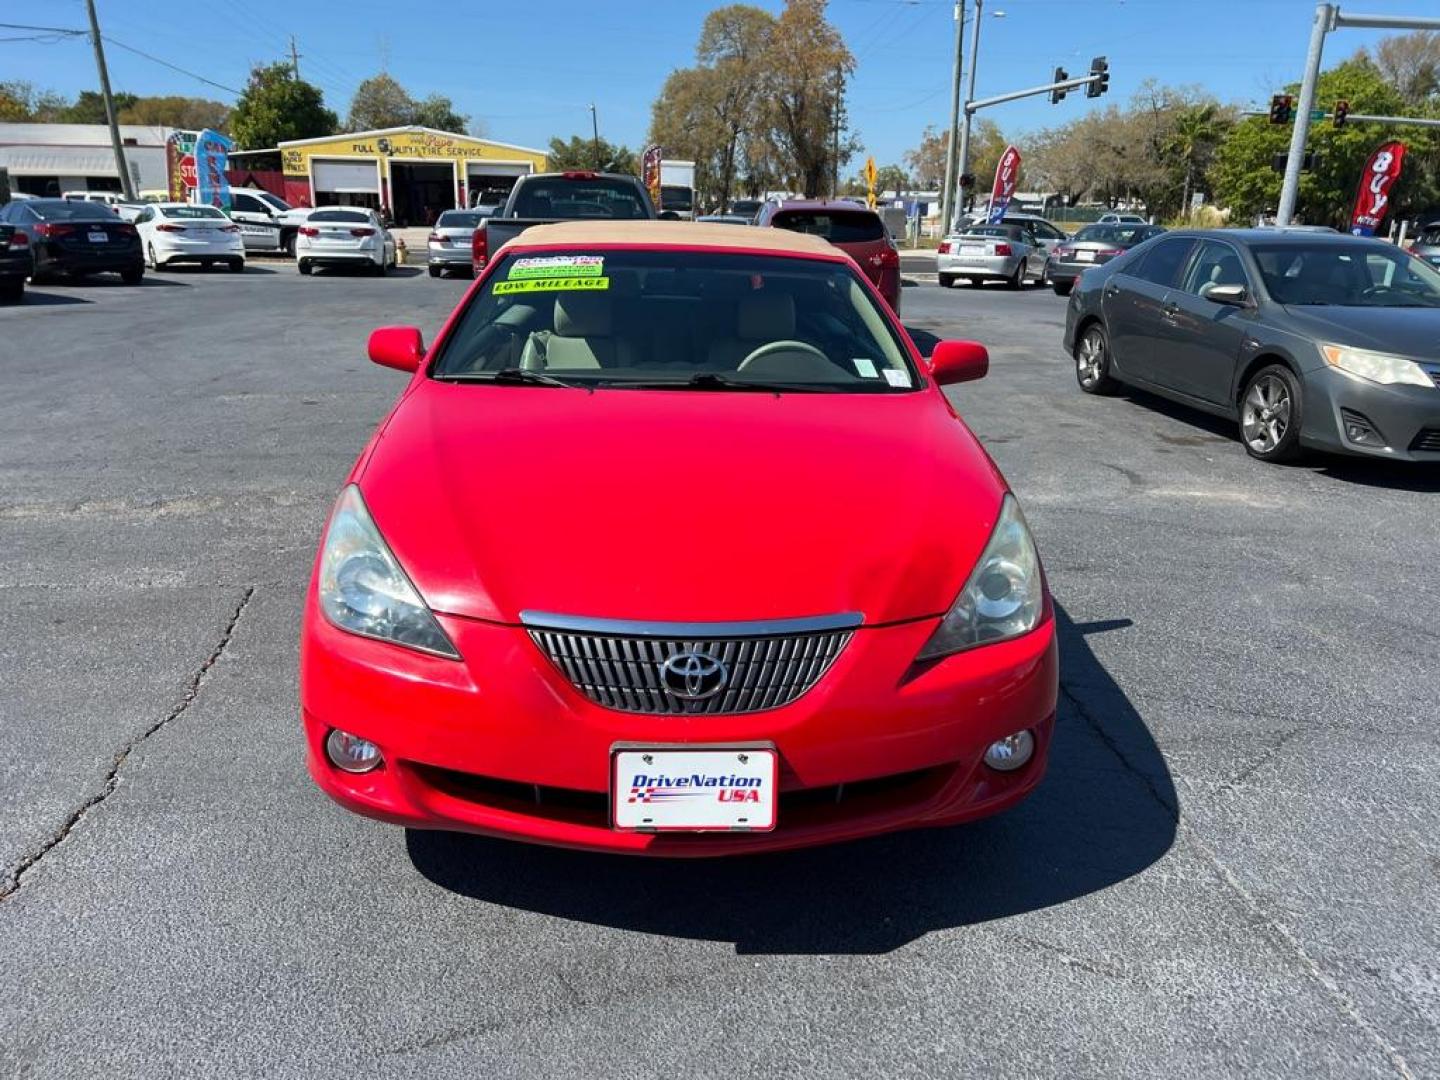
[1017,279]
[1270,415]
[1092,361]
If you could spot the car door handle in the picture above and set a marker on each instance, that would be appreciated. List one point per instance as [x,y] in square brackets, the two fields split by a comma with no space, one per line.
[1172,309]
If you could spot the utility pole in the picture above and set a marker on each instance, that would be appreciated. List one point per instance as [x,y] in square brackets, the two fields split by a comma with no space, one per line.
[294,58]
[964,165]
[595,133]
[127,188]
[952,133]
[835,136]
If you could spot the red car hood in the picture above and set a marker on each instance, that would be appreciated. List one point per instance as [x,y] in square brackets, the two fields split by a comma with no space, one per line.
[692,506]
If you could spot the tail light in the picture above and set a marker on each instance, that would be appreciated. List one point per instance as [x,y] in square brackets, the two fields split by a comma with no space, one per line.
[125,229]
[1003,248]
[362,232]
[19,240]
[435,238]
[169,228]
[944,248]
[1064,251]
[890,257]
[308,230]
[580,174]
[229,228]
[479,249]
[48,231]
[1110,251]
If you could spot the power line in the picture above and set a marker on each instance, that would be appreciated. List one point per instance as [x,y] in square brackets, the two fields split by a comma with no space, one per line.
[173,67]
[42,29]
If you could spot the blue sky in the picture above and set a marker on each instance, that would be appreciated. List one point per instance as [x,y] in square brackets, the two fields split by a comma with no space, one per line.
[531,70]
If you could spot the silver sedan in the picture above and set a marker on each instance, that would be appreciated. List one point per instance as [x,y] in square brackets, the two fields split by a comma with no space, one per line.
[449,241]
[1008,253]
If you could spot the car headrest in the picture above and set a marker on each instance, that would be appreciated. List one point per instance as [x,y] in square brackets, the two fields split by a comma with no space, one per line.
[582,315]
[1227,271]
[766,316]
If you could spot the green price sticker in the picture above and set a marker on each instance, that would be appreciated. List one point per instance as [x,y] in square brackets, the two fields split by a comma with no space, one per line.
[552,284]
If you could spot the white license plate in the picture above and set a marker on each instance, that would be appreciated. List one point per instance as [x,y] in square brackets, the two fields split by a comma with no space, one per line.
[971,250]
[1084,256]
[99,237]
[694,790]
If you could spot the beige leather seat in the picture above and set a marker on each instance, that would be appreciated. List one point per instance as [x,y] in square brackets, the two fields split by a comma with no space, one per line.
[581,338]
[760,317]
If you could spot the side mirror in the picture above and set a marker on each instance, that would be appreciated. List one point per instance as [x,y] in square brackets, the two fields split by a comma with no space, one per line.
[1234,295]
[958,361]
[669,215]
[399,347]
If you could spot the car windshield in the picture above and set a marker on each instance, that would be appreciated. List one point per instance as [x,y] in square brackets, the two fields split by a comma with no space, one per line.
[676,319]
[341,215]
[1119,235]
[1346,275]
[66,210]
[837,226]
[460,219]
[1430,237]
[274,200]
[191,212]
[597,198]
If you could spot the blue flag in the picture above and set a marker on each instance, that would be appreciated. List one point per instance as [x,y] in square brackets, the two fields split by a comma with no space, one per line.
[211,151]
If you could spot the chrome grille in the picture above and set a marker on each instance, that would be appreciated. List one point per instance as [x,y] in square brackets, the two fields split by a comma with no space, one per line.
[618,665]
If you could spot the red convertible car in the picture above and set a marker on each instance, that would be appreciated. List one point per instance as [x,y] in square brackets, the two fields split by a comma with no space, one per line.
[672,545]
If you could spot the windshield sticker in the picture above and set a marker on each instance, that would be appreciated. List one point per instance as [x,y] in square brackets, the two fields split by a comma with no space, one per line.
[865,367]
[898,379]
[554,284]
[556,265]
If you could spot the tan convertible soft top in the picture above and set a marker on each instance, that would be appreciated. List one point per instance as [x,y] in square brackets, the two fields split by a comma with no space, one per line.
[672,234]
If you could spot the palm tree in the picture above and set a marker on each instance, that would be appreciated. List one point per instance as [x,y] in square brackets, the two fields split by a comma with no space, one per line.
[1195,133]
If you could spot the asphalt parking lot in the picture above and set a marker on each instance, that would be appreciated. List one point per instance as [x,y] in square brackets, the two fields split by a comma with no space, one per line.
[1231,869]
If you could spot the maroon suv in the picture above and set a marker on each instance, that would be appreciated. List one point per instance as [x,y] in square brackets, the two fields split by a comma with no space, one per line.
[852,228]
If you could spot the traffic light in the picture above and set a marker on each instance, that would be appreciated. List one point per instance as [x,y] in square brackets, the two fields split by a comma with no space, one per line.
[1057,95]
[1099,66]
[1342,110]
[1282,108]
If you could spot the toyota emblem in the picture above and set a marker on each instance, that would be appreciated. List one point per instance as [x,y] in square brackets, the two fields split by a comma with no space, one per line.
[693,675]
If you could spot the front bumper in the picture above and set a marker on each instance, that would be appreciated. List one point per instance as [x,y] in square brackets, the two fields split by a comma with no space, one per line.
[1406,418]
[502,744]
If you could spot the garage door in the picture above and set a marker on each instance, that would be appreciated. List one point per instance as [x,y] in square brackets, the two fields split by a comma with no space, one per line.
[497,169]
[347,176]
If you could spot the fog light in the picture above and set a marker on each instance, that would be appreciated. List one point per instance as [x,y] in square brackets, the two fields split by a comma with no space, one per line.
[1359,429]
[354,754]
[1007,755]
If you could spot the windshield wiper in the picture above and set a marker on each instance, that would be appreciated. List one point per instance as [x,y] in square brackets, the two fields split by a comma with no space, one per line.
[523,376]
[712,380]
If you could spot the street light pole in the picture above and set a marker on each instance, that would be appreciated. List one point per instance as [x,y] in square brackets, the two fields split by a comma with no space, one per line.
[969,97]
[947,196]
[595,134]
[127,188]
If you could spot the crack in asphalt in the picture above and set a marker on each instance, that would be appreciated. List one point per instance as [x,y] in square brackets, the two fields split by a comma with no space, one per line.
[1284,937]
[112,778]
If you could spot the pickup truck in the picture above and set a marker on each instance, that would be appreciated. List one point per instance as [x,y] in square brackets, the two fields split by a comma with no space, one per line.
[545,198]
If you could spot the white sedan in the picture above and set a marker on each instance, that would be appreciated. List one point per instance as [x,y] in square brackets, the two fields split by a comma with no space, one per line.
[344,236]
[183,232]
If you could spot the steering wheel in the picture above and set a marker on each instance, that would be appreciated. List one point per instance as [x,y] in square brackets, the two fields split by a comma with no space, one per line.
[1377,290]
[772,347]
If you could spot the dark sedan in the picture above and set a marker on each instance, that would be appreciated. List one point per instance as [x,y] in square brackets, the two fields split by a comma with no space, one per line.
[14,263]
[1305,339]
[70,236]
[1094,245]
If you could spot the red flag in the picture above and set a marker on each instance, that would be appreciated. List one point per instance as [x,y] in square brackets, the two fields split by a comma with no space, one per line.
[1373,199]
[1007,175]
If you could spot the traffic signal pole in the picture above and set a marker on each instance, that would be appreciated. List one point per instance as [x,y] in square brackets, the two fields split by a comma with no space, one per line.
[964,165]
[1328,17]
[947,197]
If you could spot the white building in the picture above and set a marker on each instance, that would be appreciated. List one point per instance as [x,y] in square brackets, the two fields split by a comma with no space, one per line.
[47,159]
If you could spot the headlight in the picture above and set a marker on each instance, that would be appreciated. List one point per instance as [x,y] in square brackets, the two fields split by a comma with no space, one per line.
[1003,598]
[1375,366]
[364,590]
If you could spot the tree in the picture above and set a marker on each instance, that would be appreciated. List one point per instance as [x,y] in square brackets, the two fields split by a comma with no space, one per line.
[579,152]
[380,102]
[89,107]
[277,107]
[1410,63]
[1194,135]
[21,102]
[191,114]
[437,111]
[806,66]
[891,178]
[927,161]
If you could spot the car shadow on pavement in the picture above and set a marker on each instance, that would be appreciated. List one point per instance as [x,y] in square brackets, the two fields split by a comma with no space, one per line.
[35,298]
[1105,811]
